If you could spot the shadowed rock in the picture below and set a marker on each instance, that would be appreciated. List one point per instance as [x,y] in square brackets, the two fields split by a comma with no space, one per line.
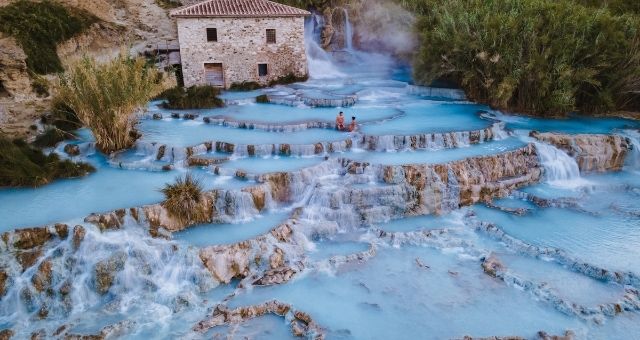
[72,149]
[42,278]
[106,270]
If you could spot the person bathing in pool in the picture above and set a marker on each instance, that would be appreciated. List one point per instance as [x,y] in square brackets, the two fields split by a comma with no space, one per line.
[353,126]
[340,122]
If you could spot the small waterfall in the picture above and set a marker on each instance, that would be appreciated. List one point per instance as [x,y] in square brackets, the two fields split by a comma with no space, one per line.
[320,62]
[633,159]
[559,168]
[348,31]
[436,92]
[499,132]
[234,206]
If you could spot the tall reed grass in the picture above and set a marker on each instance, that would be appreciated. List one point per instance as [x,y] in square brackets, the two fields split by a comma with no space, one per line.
[543,57]
[105,97]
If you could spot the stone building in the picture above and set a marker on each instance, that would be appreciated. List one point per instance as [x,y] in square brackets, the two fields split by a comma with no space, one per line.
[223,42]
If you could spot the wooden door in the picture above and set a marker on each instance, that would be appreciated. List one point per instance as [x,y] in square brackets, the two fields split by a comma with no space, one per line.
[213,74]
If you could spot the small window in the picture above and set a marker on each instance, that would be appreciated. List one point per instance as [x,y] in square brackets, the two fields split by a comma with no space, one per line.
[212,34]
[263,70]
[271,36]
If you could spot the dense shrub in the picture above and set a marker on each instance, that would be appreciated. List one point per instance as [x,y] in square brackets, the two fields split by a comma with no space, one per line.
[50,138]
[39,27]
[288,79]
[245,86]
[536,56]
[184,198]
[252,85]
[105,97]
[616,6]
[23,165]
[62,117]
[194,97]
[167,4]
[263,99]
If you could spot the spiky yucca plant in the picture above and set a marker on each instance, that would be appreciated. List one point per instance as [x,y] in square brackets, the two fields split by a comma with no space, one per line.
[184,199]
[106,96]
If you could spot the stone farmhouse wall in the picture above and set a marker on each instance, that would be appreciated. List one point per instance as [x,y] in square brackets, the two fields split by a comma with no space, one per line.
[241,46]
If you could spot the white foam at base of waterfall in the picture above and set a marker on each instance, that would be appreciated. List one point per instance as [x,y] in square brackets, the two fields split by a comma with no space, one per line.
[320,63]
[560,170]
[633,159]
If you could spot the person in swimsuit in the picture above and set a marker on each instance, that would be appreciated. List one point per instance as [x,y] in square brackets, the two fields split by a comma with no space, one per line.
[340,122]
[353,126]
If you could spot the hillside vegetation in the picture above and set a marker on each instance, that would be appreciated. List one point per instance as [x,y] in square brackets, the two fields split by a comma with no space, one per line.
[542,57]
[39,27]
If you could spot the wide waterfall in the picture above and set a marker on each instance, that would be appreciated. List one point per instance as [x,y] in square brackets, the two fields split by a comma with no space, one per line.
[559,168]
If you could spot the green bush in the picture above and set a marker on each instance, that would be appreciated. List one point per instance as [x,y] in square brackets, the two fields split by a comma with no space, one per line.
[168,4]
[288,79]
[50,138]
[194,97]
[245,86]
[263,99]
[537,56]
[39,27]
[615,6]
[23,165]
[63,117]
[252,85]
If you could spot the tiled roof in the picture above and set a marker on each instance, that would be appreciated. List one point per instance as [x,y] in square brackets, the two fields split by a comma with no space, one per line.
[237,9]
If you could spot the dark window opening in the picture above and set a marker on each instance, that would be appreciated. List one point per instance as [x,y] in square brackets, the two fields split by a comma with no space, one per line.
[271,36]
[212,34]
[3,92]
[263,70]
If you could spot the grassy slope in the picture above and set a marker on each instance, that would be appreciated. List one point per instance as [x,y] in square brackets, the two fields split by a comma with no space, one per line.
[39,27]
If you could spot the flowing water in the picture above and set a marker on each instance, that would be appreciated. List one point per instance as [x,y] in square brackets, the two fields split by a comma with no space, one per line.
[367,263]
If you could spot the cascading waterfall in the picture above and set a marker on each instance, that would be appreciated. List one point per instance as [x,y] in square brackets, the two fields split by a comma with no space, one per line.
[104,278]
[320,62]
[633,159]
[348,31]
[559,168]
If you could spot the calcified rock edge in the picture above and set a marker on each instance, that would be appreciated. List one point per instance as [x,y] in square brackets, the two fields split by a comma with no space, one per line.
[592,152]
[338,204]
[424,141]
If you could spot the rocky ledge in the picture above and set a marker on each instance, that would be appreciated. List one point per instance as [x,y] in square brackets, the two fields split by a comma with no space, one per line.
[592,152]
[302,325]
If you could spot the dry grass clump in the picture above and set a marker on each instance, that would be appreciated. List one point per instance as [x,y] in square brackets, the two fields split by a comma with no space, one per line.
[184,199]
[105,97]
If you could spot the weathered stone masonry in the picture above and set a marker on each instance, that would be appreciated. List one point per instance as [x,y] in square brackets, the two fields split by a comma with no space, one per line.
[241,46]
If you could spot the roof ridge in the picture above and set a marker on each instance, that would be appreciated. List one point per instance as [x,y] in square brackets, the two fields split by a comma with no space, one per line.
[237,8]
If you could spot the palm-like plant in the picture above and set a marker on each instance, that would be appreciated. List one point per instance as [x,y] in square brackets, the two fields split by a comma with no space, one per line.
[106,96]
